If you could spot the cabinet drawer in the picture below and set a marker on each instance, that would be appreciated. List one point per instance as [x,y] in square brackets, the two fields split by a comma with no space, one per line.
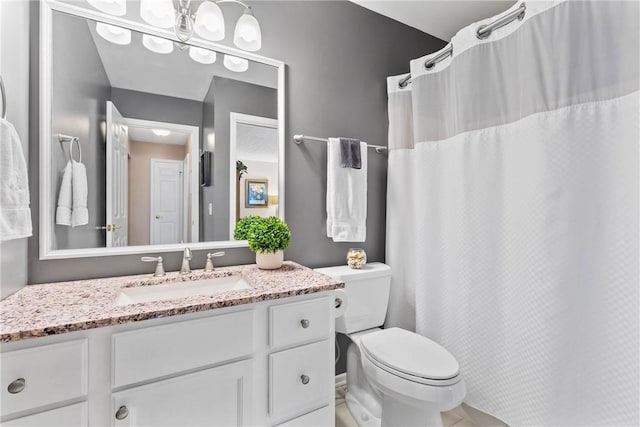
[214,397]
[299,322]
[301,379]
[157,351]
[50,374]
[67,416]
[323,417]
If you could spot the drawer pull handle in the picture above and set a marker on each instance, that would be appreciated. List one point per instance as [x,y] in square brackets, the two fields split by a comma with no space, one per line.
[304,379]
[304,323]
[17,386]
[122,413]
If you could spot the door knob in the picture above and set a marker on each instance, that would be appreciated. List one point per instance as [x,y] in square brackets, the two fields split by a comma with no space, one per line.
[304,323]
[158,217]
[305,379]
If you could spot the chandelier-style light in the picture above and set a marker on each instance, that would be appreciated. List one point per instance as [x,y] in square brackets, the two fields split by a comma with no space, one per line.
[208,23]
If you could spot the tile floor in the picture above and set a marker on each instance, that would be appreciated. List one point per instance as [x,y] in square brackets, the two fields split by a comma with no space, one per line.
[344,419]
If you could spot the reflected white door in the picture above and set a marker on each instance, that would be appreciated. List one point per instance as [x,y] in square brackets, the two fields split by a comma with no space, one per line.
[166,201]
[117,178]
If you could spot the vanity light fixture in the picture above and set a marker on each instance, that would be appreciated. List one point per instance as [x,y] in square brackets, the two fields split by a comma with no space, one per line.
[157,44]
[113,34]
[203,56]
[161,132]
[158,13]
[233,63]
[112,7]
[208,23]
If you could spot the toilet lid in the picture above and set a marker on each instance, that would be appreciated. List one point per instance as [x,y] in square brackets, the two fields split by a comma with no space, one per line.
[410,354]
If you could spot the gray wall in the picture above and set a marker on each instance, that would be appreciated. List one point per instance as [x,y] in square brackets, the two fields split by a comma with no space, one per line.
[80,89]
[14,68]
[238,97]
[338,56]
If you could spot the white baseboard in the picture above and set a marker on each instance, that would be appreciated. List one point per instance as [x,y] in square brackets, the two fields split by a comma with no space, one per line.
[341,379]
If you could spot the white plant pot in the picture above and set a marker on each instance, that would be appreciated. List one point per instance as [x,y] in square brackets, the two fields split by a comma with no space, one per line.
[267,261]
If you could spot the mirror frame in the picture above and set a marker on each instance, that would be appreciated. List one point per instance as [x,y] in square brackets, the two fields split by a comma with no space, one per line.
[47,7]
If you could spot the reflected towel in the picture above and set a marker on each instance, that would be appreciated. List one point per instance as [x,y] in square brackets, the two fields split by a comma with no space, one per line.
[79,214]
[346,196]
[63,211]
[15,214]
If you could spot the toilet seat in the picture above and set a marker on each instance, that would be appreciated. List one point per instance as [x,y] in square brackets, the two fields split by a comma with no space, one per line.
[410,356]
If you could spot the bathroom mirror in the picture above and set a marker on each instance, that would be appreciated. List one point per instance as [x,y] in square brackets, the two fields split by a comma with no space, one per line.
[149,144]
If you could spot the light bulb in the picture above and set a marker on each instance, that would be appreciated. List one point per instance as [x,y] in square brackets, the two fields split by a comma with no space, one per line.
[203,56]
[113,34]
[159,13]
[161,132]
[209,21]
[112,7]
[184,26]
[157,44]
[233,63]
[247,34]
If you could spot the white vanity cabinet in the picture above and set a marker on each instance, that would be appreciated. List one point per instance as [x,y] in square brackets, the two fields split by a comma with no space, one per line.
[269,363]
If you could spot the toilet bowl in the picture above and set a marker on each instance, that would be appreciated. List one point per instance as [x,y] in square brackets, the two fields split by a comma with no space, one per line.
[394,377]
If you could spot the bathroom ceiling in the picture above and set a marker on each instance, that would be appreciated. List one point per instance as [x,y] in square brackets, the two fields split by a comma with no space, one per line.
[438,18]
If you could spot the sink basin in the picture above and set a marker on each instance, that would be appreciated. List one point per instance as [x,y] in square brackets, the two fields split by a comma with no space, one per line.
[176,290]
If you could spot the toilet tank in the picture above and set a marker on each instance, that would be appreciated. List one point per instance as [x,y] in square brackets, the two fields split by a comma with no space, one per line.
[368,292]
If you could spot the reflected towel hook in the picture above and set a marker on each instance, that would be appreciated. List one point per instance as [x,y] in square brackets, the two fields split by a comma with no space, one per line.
[71,139]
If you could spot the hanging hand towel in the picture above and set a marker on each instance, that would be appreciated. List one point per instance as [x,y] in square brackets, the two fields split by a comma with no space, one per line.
[79,214]
[346,196]
[15,214]
[63,211]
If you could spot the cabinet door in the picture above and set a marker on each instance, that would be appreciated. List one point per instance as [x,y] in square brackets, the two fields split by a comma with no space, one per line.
[214,397]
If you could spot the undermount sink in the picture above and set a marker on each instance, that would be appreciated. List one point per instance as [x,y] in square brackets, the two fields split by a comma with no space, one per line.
[176,290]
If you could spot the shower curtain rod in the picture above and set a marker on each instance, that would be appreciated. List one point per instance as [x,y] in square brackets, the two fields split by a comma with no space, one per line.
[482,33]
[298,139]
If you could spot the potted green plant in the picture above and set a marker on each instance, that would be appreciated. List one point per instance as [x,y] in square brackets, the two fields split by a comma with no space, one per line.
[267,237]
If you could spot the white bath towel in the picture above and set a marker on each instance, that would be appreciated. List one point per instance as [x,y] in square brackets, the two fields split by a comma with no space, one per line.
[63,211]
[346,196]
[15,214]
[79,214]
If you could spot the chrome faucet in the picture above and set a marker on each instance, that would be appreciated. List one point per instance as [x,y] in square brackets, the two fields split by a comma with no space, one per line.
[209,266]
[186,257]
[159,266]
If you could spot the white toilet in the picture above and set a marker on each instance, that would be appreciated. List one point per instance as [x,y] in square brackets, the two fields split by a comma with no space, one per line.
[394,377]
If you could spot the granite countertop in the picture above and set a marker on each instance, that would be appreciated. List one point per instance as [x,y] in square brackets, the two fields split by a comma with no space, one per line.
[58,308]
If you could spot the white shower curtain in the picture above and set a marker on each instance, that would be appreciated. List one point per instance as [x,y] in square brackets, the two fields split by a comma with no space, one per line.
[512,211]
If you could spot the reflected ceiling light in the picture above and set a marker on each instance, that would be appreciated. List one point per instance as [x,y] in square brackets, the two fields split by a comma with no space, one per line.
[161,132]
[209,24]
[113,34]
[209,21]
[158,13]
[233,63]
[157,44]
[203,56]
[112,7]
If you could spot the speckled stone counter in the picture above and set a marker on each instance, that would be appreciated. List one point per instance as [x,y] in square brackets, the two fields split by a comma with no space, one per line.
[57,308]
